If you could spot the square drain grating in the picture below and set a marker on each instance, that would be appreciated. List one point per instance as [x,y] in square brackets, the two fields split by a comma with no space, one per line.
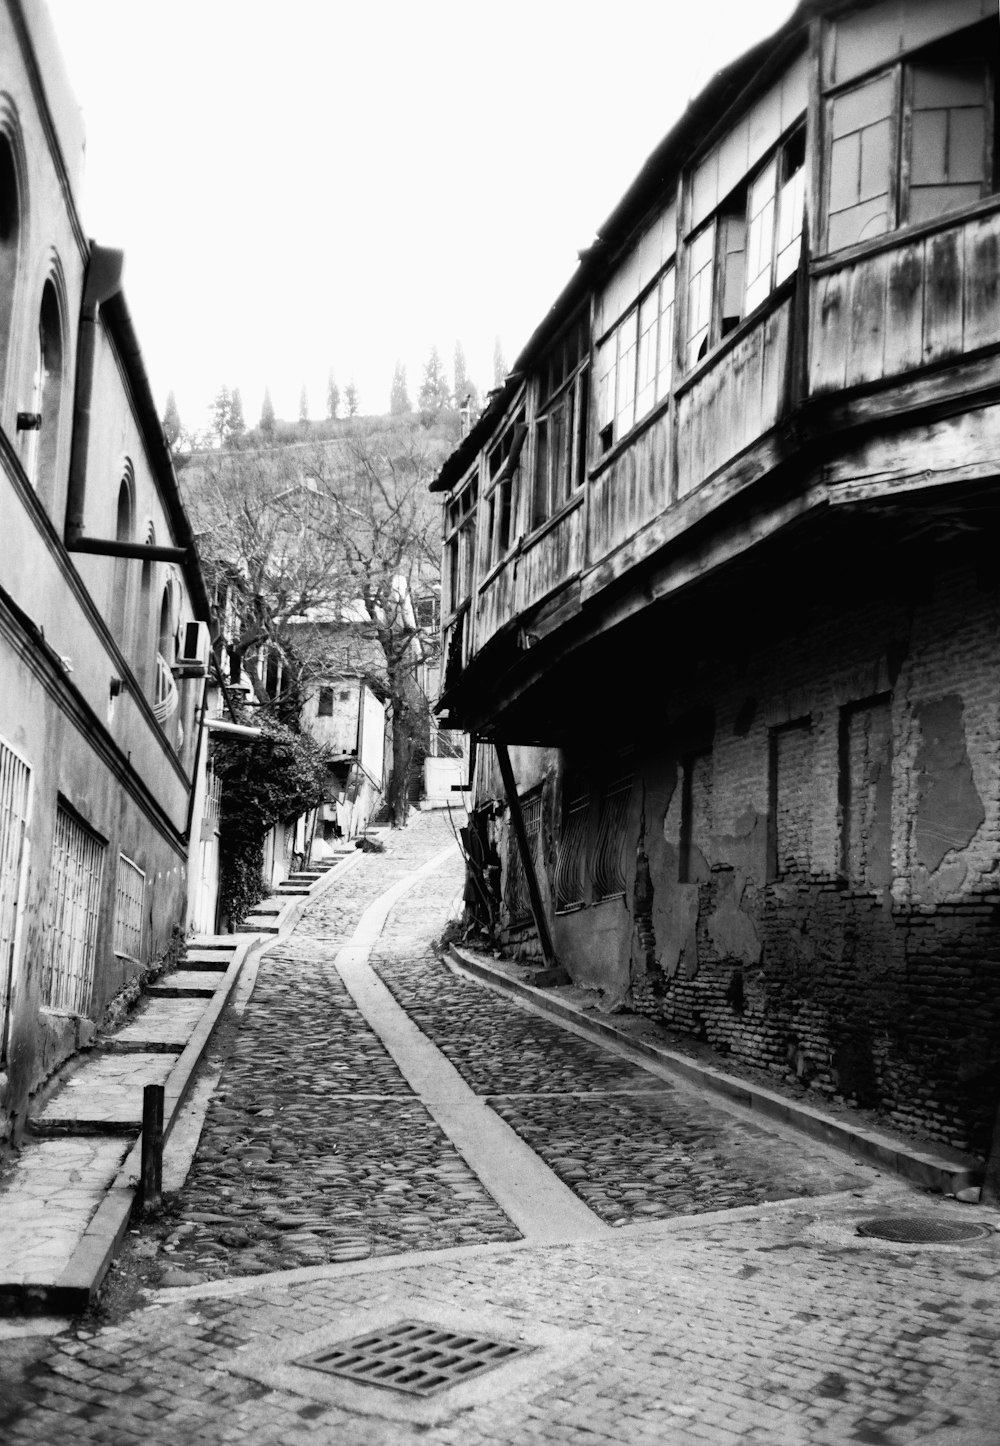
[413,1356]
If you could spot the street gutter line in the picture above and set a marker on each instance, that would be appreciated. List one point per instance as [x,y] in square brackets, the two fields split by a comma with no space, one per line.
[529,1193]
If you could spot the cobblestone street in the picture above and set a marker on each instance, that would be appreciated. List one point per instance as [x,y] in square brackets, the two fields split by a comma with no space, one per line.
[721,1296]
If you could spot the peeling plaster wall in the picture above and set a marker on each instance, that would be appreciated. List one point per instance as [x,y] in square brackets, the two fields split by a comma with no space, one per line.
[837,919]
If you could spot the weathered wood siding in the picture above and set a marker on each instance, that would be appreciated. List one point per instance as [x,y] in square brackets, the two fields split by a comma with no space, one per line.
[917,302]
[538,567]
[734,401]
[552,558]
[496,604]
[631,491]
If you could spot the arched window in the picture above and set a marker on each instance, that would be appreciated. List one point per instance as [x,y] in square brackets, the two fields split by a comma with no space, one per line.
[50,335]
[41,443]
[141,649]
[10,235]
[165,691]
[119,611]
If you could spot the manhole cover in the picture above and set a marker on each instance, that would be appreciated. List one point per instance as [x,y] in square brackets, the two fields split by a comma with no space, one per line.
[922,1230]
[413,1356]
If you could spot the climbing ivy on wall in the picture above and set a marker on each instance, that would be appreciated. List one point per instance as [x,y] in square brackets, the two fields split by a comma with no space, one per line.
[265,781]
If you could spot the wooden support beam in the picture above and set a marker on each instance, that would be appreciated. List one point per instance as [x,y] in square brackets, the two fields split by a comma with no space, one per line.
[527,862]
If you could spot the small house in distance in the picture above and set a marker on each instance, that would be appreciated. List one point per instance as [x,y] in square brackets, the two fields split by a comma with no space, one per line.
[721,601]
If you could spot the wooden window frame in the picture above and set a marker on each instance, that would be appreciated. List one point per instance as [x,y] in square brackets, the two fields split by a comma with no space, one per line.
[561,389]
[900,73]
[608,428]
[732,216]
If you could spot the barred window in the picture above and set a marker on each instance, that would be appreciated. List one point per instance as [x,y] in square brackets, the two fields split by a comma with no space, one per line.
[15,803]
[73,904]
[608,866]
[129,895]
[516,894]
[571,873]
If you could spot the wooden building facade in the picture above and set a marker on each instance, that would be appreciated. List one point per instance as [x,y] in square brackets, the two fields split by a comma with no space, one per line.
[721,573]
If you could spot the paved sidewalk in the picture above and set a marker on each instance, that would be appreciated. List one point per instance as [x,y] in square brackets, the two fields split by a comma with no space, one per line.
[934,1166]
[774,1323]
[66,1199]
[777,1326]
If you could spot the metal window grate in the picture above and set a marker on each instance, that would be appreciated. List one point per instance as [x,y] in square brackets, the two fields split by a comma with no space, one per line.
[569,874]
[15,803]
[213,800]
[74,899]
[516,895]
[130,892]
[413,1356]
[609,848]
[922,1230]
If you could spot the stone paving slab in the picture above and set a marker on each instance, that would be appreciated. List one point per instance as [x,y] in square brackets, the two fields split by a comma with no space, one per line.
[106,1094]
[936,1167]
[773,1327]
[63,1182]
[158,1024]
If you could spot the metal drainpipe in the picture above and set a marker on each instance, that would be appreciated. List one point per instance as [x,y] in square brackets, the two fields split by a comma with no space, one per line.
[104,278]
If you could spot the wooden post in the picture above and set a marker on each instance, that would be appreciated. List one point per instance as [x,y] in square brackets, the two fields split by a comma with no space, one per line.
[527,862]
[152,1146]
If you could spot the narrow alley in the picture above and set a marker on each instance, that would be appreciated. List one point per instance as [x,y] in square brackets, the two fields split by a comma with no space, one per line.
[662,1266]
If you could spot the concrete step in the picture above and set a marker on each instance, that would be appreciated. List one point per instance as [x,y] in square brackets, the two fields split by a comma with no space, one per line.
[187,984]
[103,1096]
[158,1025]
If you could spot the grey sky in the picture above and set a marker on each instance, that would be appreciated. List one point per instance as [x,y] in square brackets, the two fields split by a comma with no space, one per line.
[308,185]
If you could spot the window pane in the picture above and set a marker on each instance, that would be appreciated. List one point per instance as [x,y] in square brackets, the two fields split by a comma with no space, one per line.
[607,355]
[627,339]
[861,107]
[666,344]
[760,237]
[861,157]
[648,317]
[876,159]
[791,203]
[701,256]
[926,202]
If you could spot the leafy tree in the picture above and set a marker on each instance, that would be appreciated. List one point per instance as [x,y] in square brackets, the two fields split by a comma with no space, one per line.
[399,397]
[222,409]
[303,405]
[332,398]
[351,398]
[172,422]
[266,423]
[434,391]
[237,424]
[499,364]
[265,781]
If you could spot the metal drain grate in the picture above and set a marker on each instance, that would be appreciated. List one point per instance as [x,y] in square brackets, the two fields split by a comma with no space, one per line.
[413,1356]
[922,1230]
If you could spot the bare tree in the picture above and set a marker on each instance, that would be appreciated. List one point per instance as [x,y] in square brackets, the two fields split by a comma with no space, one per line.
[380,528]
[258,522]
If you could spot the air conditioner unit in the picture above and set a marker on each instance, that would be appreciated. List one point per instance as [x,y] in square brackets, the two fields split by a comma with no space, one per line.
[193,647]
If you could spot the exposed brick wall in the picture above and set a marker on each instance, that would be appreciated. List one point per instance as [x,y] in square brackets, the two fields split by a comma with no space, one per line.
[843,928]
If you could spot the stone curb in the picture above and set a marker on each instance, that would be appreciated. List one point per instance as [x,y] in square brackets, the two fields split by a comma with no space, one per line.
[81,1280]
[895,1156]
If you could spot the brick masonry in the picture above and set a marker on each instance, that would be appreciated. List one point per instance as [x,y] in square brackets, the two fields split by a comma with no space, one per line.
[814,885]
